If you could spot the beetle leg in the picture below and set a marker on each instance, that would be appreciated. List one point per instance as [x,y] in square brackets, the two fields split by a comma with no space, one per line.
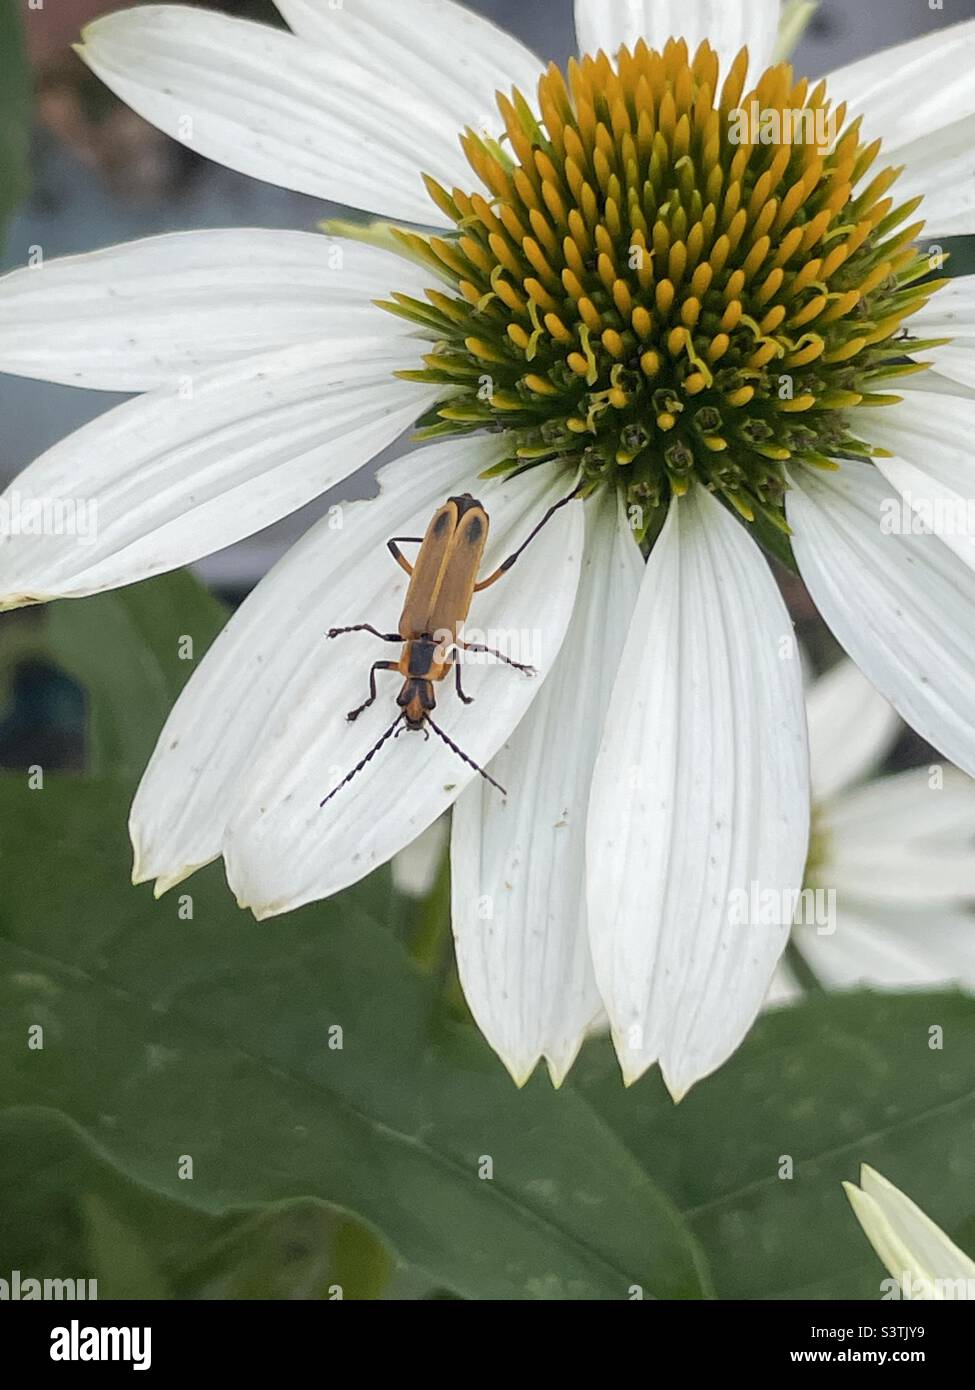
[489,651]
[467,699]
[397,554]
[379,666]
[365,627]
[503,569]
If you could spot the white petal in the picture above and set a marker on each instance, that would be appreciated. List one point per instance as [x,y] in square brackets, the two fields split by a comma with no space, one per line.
[701,795]
[907,839]
[950,314]
[930,437]
[161,481]
[903,606]
[281,849]
[923,876]
[784,989]
[525,967]
[908,1242]
[956,361]
[878,948]
[416,867]
[727,25]
[913,88]
[920,806]
[134,317]
[210,740]
[939,167]
[851,728]
[935,382]
[920,98]
[269,104]
[423,47]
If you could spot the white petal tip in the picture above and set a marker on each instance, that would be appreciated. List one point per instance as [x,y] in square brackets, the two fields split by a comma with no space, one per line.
[11,601]
[165,882]
[139,874]
[632,1072]
[631,1067]
[557,1072]
[560,1065]
[864,1206]
[679,1086]
[260,912]
[102,24]
[634,1065]
[264,911]
[521,1073]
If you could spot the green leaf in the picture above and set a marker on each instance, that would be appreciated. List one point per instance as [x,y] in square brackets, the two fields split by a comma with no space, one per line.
[14,110]
[214,1038]
[48,1173]
[123,1264]
[133,651]
[835,1082]
[66,1213]
[303,1249]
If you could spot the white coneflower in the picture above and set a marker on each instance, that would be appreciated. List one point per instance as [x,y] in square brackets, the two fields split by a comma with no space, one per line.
[616,294]
[924,1263]
[892,863]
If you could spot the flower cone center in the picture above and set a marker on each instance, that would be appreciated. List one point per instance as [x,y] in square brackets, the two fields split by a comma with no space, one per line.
[662,280]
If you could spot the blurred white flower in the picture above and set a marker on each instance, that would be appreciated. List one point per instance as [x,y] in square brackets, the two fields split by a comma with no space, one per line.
[617,291]
[415,868]
[923,1262]
[898,851]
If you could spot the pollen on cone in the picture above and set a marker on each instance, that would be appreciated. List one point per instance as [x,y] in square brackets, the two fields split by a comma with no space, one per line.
[629,241]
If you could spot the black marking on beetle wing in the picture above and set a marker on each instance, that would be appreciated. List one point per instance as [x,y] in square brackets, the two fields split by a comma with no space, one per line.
[464,504]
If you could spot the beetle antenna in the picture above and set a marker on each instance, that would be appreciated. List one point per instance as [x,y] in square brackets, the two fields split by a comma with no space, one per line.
[463,756]
[367,759]
[513,559]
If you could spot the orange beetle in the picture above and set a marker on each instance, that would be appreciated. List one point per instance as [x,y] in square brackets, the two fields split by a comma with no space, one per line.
[443,582]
